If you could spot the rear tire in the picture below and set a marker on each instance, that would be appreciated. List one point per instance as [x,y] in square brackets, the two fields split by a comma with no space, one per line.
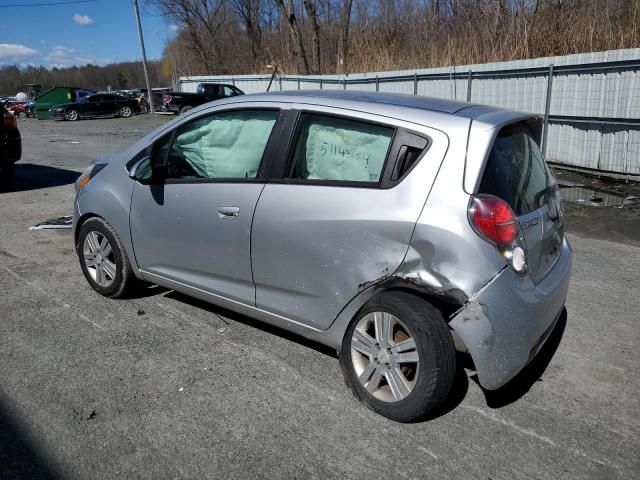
[125,112]
[387,381]
[104,260]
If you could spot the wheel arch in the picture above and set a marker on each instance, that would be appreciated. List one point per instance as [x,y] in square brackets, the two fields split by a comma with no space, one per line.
[108,197]
[447,305]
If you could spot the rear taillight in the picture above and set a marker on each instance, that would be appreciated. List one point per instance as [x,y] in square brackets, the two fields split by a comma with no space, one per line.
[10,120]
[167,98]
[493,219]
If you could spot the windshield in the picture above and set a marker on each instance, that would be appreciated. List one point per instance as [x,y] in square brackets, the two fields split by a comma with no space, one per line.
[516,171]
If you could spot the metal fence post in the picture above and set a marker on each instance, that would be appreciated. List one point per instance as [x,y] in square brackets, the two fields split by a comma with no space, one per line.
[451,84]
[280,82]
[344,83]
[233,81]
[298,83]
[547,106]
[320,84]
[415,83]
[469,79]
[377,84]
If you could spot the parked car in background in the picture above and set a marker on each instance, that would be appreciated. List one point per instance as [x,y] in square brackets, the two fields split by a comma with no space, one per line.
[58,96]
[23,110]
[393,228]
[10,144]
[95,106]
[181,102]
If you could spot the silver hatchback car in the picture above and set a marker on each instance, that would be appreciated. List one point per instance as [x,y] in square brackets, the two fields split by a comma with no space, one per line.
[396,229]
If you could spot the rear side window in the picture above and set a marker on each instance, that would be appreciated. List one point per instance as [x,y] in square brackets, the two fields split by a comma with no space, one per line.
[516,171]
[337,149]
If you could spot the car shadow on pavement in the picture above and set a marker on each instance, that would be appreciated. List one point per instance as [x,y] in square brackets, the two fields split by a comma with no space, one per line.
[29,176]
[224,314]
[517,387]
[456,396]
[19,455]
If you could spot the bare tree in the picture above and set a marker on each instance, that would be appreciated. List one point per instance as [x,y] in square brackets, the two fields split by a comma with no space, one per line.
[297,44]
[343,45]
[310,7]
[249,12]
[202,21]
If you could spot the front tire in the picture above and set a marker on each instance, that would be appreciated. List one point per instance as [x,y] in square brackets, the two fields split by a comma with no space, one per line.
[103,259]
[71,115]
[185,109]
[398,357]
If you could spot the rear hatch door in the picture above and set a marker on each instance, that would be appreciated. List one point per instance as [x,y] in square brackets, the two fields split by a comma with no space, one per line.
[517,173]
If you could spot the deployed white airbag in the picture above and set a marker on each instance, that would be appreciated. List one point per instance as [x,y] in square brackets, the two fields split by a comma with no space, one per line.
[349,154]
[228,145]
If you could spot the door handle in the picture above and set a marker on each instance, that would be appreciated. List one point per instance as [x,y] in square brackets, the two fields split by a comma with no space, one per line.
[228,213]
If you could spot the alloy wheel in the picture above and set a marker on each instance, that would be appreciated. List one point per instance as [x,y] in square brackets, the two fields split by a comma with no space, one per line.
[384,356]
[125,112]
[71,115]
[99,258]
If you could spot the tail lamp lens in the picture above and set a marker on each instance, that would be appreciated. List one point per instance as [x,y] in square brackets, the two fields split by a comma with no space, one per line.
[10,120]
[494,219]
[167,98]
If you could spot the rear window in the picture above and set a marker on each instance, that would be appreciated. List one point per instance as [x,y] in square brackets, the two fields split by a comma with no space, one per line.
[516,171]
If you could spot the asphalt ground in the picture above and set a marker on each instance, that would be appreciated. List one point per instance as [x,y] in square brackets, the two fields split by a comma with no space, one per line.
[163,386]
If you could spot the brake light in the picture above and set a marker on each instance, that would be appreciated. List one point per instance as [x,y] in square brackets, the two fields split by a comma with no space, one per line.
[493,219]
[10,120]
[167,98]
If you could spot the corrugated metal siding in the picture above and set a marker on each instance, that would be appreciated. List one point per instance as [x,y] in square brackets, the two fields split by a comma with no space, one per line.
[598,94]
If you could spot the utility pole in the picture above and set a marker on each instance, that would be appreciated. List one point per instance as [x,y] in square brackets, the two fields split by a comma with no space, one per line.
[144,57]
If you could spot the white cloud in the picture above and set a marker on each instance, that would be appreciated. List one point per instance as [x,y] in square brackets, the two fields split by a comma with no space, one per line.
[10,52]
[174,28]
[61,56]
[83,19]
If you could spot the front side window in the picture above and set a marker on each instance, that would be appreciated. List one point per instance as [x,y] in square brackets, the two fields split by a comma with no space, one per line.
[516,171]
[337,149]
[226,145]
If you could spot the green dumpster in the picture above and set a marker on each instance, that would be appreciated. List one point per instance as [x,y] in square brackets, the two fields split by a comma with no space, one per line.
[56,96]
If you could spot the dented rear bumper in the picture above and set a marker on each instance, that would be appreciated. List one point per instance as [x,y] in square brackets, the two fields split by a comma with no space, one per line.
[505,324]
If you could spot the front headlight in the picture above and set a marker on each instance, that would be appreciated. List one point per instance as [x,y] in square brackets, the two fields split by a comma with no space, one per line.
[90,172]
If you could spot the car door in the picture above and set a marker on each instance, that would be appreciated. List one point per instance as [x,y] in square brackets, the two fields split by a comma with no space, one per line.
[110,105]
[93,107]
[336,222]
[193,224]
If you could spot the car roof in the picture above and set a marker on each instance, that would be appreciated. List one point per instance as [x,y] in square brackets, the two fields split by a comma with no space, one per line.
[331,97]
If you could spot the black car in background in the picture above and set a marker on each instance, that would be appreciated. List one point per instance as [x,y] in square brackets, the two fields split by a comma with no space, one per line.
[182,102]
[10,144]
[96,106]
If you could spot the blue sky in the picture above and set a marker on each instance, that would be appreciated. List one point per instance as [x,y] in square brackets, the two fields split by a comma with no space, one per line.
[98,32]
